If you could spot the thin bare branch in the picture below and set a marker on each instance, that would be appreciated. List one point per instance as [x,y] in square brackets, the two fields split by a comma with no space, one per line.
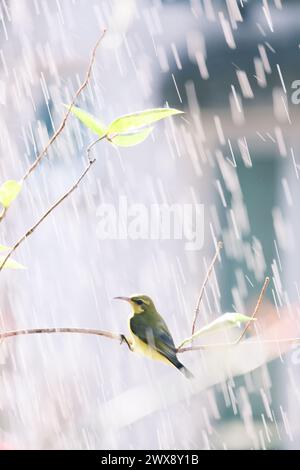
[209,271]
[91,145]
[3,213]
[57,203]
[259,301]
[123,339]
[64,120]
[86,331]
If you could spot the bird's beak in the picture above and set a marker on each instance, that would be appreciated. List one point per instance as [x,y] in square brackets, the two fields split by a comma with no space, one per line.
[127,299]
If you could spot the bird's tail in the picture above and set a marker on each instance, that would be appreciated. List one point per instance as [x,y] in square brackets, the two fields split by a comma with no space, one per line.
[184,370]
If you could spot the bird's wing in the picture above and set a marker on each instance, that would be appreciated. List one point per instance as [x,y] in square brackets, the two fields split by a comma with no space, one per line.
[155,333]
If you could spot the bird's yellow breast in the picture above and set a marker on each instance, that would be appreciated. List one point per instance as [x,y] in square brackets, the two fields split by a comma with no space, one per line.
[145,349]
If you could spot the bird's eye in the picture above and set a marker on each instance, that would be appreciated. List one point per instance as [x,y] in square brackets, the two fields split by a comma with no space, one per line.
[139,302]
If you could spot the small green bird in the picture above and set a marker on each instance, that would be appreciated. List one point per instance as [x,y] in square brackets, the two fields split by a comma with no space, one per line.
[150,334]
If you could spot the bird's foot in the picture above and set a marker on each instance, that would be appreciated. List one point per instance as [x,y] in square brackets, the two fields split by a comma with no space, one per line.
[125,340]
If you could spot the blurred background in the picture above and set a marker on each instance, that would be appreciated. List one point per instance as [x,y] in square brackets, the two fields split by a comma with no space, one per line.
[230,66]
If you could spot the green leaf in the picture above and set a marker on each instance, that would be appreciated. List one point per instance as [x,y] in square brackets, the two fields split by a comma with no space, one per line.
[225,321]
[134,121]
[9,191]
[11,263]
[128,140]
[4,248]
[88,120]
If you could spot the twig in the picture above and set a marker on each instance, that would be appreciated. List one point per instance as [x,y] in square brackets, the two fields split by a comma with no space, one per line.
[197,309]
[64,120]
[91,145]
[2,214]
[259,301]
[51,208]
[241,336]
[63,123]
[86,331]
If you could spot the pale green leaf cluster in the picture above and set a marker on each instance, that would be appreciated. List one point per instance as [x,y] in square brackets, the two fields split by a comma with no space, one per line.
[224,322]
[134,121]
[134,138]
[127,130]
[9,191]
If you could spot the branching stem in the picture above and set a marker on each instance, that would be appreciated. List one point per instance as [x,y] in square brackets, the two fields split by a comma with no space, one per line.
[241,336]
[51,208]
[67,114]
[63,122]
[259,301]
[206,279]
